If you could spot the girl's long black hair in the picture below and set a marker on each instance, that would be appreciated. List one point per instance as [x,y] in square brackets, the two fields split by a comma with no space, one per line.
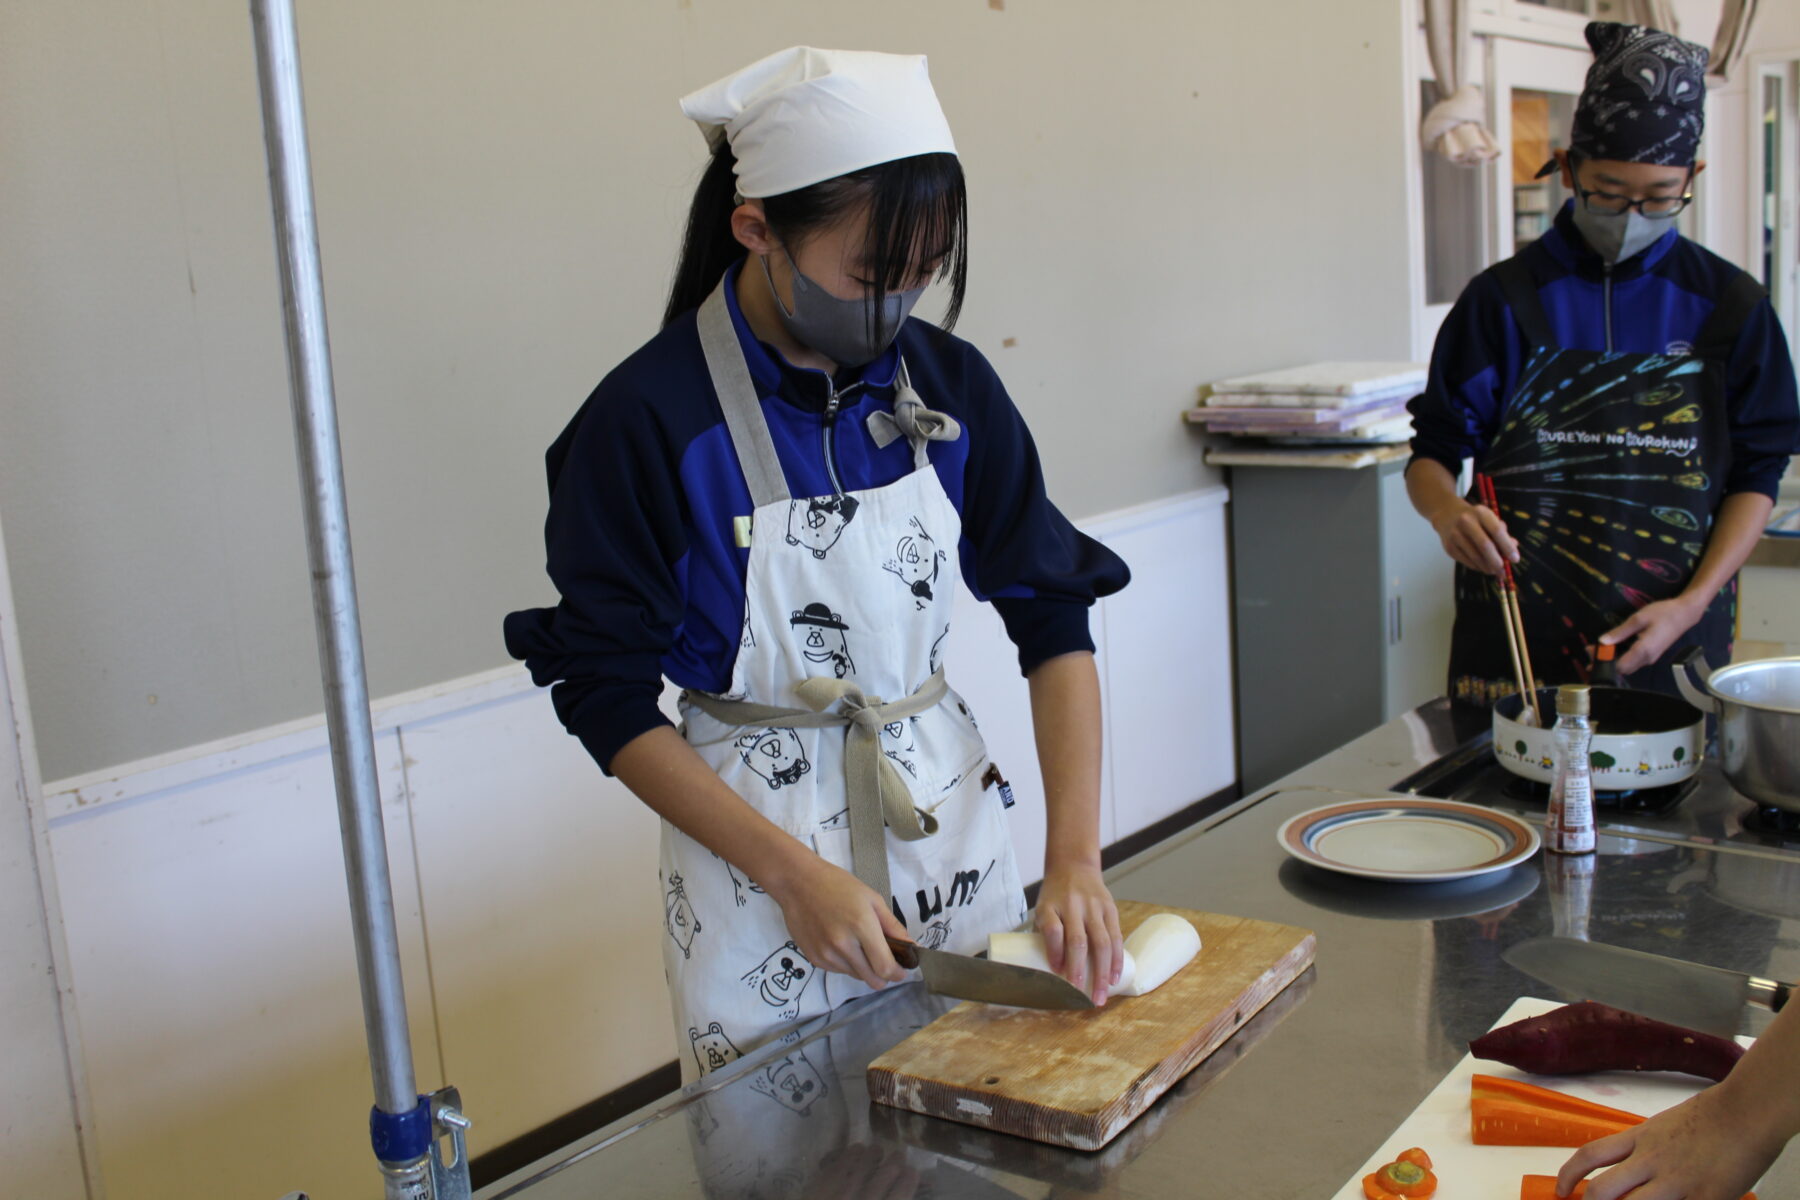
[918,211]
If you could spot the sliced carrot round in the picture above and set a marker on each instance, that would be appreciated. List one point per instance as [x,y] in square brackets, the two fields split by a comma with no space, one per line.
[1403,1178]
[1373,1190]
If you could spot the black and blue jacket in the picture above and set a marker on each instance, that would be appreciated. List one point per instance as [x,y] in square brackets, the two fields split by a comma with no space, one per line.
[644,486]
[1653,303]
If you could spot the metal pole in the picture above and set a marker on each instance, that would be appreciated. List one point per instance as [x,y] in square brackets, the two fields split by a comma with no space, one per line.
[402,1123]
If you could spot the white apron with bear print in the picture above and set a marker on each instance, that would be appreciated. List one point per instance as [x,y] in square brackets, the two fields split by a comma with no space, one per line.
[854,587]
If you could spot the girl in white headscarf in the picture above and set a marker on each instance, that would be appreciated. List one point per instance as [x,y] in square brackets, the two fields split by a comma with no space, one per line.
[771,503]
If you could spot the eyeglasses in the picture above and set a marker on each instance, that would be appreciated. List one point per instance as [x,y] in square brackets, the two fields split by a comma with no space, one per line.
[1608,204]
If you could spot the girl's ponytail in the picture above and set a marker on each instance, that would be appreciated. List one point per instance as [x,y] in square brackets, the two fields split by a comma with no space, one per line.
[708,247]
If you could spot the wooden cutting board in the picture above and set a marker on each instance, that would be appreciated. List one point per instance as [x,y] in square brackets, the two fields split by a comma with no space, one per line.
[1077,1078]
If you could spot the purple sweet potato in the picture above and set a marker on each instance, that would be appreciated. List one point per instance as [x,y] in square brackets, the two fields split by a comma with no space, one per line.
[1579,1038]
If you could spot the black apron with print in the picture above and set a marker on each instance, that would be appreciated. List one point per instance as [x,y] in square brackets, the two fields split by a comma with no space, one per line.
[1608,468]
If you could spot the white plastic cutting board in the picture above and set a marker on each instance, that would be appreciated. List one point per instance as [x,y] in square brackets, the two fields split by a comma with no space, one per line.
[1466,1171]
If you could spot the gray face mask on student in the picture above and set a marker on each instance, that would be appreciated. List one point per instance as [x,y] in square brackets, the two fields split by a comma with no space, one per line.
[839,329]
[1616,237]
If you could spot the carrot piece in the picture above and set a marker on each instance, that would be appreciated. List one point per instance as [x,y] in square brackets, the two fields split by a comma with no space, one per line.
[1373,1190]
[1402,1178]
[1511,1123]
[1493,1087]
[1543,1187]
[1417,1157]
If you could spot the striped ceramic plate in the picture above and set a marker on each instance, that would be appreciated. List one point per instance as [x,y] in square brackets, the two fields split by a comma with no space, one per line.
[1408,838]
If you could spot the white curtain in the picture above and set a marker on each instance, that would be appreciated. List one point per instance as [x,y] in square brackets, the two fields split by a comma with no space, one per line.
[1456,125]
[1733,36]
[1729,43]
[1653,14]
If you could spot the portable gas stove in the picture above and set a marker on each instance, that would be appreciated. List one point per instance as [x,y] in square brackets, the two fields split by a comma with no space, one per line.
[1702,810]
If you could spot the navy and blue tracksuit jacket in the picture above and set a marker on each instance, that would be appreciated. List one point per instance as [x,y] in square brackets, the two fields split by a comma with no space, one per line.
[1653,303]
[644,486]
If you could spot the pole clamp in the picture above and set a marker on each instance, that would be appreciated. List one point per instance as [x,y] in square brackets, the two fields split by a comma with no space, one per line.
[401,1137]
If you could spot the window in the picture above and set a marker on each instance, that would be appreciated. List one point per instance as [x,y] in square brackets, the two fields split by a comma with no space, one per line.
[1771,112]
[1773,251]
[1540,127]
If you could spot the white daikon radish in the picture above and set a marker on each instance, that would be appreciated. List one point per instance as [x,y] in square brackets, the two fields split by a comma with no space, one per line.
[1027,950]
[1019,949]
[1161,946]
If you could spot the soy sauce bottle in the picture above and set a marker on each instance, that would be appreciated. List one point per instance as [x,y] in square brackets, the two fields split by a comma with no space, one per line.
[1569,825]
[1605,672]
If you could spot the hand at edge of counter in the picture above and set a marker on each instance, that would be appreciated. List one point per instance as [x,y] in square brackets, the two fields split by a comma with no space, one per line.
[1075,911]
[1673,1156]
[838,922]
[1080,923]
[1713,1146]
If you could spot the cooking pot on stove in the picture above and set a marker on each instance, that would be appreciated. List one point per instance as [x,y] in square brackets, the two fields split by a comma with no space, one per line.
[1758,706]
[1641,739]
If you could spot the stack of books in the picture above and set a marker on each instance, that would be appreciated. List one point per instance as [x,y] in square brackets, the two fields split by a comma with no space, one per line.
[1326,404]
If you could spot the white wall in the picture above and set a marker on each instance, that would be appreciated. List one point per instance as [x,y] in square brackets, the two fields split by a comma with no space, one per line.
[203,893]
[40,1142]
[1163,192]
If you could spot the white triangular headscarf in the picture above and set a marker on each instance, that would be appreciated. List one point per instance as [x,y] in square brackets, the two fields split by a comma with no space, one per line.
[802,115]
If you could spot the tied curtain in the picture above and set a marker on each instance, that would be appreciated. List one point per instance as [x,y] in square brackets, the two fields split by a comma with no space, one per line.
[1456,126]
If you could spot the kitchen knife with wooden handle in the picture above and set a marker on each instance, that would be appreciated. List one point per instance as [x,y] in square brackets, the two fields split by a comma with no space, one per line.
[1710,999]
[969,978]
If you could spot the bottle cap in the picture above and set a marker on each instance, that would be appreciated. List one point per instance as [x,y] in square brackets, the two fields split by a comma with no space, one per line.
[1572,700]
[1605,651]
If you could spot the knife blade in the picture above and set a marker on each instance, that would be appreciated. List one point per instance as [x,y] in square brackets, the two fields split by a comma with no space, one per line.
[1710,999]
[969,978]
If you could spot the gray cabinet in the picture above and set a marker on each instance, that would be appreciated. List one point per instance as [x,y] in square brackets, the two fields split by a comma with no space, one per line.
[1341,610]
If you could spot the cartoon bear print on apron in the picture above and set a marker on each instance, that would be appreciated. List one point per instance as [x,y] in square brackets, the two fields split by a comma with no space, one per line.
[837,723]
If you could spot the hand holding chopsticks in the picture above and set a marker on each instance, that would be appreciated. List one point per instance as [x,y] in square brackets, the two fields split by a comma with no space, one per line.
[1514,618]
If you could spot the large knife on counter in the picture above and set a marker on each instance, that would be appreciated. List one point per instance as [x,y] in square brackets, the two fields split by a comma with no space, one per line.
[1710,999]
[969,978]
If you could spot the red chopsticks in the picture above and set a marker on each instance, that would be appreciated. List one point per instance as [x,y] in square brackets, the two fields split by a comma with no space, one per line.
[1514,618]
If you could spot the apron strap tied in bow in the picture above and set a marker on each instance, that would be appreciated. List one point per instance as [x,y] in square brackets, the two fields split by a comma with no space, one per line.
[877,793]
[911,420]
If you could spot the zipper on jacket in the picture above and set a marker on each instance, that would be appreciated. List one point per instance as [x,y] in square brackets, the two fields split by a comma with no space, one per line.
[831,408]
[833,401]
[1606,298]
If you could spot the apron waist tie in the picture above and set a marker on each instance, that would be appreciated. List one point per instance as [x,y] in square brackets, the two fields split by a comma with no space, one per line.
[877,793]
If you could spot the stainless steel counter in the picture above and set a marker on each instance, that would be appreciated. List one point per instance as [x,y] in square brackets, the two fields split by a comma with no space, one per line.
[1291,1106]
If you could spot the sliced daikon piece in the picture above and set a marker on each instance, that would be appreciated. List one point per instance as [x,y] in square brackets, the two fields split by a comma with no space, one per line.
[1027,950]
[1161,946]
[1019,949]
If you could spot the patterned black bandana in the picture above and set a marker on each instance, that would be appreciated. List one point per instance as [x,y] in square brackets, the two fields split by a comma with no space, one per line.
[1645,97]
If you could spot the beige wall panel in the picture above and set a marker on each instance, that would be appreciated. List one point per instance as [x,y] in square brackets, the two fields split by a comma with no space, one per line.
[215,974]
[1162,193]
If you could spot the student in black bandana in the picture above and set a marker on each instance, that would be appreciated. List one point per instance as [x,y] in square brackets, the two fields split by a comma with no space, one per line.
[1630,393]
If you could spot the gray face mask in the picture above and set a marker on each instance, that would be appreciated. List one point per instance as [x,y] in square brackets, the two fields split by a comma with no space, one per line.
[839,329]
[1617,237]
